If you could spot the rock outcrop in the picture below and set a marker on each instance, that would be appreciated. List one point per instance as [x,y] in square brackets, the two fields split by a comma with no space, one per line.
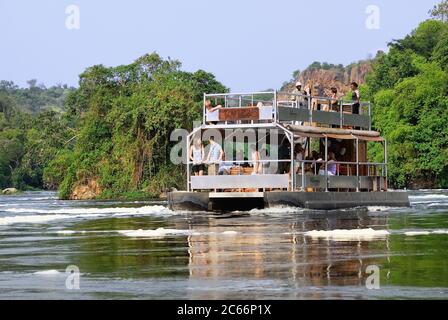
[86,191]
[10,191]
[321,80]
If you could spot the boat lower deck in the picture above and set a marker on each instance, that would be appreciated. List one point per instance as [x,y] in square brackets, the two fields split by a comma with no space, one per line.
[243,201]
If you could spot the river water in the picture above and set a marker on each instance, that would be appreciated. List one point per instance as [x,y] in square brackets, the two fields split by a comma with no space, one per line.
[142,250]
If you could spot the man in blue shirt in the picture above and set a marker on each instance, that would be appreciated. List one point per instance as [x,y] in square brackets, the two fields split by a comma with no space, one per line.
[214,157]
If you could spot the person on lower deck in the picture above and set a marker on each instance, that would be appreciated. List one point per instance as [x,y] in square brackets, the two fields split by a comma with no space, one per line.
[214,158]
[197,155]
[225,167]
[255,158]
[299,156]
[332,166]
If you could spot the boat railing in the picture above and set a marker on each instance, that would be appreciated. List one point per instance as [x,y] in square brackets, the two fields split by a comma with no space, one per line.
[307,176]
[283,107]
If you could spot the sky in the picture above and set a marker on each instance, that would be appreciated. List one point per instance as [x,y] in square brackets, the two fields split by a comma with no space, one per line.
[248,45]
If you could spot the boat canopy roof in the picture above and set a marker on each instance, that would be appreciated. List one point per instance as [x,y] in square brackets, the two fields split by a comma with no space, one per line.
[333,133]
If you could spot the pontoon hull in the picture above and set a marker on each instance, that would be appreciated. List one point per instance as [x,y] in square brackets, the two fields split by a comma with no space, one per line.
[206,201]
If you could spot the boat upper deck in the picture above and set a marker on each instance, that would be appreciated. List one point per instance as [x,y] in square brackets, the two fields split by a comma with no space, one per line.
[285,108]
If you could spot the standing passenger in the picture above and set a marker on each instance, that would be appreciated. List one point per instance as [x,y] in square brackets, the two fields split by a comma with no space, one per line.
[197,155]
[214,158]
[356,97]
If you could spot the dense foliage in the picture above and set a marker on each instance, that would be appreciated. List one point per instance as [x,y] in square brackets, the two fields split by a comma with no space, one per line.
[409,88]
[27,144]
[124,117]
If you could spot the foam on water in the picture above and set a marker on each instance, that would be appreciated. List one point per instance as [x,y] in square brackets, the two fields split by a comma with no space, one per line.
[425,233]
[378,208]
[276,210]
[429,197]
[147,210]
[47,273]
[230,233]
[70,232]
[158,233]
[78,213]
[349,235]
[43,218]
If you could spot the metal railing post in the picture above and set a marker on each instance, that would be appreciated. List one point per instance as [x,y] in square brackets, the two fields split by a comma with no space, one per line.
[326,164]
[357,165]
[385,165]
[341,107]
[275,107]
[204,111]
[310,108]
[188,164]
[303,177]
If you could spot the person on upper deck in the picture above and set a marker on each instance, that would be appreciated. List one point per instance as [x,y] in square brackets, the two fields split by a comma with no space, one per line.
[211,112]
[334,100]
[299,96]
[356,97]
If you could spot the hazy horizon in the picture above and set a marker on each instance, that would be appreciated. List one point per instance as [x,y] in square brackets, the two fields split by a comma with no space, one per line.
[248,46]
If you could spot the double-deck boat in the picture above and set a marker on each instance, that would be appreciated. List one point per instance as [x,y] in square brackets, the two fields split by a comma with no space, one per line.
[284,149]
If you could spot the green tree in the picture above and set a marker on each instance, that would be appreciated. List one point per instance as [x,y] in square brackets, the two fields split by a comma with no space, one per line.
[440,11]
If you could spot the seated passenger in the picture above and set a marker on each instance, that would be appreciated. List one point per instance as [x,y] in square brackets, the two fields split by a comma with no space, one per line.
[211,112]
[225,167]
[332,166]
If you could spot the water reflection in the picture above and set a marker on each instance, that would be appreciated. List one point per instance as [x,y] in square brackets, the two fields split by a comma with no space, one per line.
[256,255]
[281,251]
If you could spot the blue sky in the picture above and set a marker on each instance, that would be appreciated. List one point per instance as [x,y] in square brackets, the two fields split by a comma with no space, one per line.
[248,44]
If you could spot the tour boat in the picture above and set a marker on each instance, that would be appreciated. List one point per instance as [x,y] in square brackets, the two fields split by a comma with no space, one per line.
[278,124]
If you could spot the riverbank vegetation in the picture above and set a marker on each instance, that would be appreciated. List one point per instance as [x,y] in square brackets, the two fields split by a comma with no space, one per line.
[110,137]
[409,89]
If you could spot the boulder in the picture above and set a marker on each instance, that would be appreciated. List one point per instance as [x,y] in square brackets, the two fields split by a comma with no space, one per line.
[86,191]
[10,191]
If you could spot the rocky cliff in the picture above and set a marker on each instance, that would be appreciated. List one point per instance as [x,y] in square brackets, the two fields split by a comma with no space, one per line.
[321,77]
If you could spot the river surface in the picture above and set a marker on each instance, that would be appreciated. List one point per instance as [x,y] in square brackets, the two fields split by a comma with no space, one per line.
[142,250]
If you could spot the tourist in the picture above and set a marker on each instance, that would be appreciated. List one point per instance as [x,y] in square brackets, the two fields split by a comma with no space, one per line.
[356,98]
[299,155]
[255,159]
[334,105]
[316,158]
[214,158]
[299,96]
[264,156]
[212,112]
[197,155]
[331,166]
[225,167]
